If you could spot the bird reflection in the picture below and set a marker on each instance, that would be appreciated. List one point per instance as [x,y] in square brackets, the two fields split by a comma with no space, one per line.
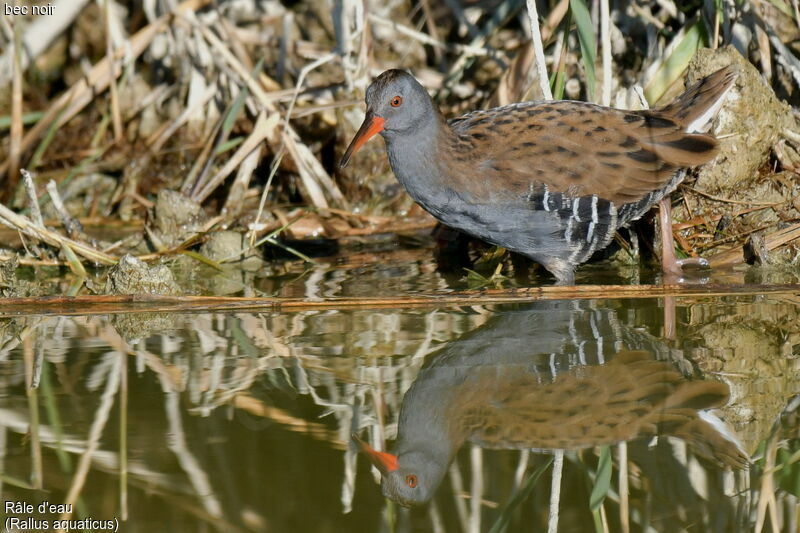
[559,375]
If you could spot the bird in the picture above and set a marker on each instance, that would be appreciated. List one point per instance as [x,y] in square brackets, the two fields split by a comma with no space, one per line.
[586,381]
[551,180]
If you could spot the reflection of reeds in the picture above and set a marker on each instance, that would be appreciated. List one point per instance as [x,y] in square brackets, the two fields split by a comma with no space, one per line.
[766,495]
[54,419]
[33,412]
[112,370]
[176,442]
[123,437]
[357,377]
[624,511]
[775,486]
[555,491]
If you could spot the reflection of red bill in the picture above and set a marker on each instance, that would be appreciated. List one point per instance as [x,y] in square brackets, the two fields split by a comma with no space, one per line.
[371,126]
[383,461]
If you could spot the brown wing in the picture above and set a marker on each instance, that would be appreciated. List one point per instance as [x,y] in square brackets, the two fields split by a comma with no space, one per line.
[592,405]
[632,396]
[576,148]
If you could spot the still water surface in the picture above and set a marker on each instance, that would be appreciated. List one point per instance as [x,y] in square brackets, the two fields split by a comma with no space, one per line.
[243,421]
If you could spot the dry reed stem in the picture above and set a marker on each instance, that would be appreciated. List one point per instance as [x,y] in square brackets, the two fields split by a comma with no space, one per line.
[554,18]
[199,167]
[395,227]
[772,241]
[536,42]
[711,219]
[301,78]
[116,114]
[459,66]
[33,198]
[732,238]
[430,22]
[238,189]
[264,127]
[257,226]
[783,54]
[605,36]
[25,261]
[40,34]
[88,87]
[15,140]
[731,200]
[424,38]
[29,228]
[167,130]
[70,224]
[312,174]
[764,53]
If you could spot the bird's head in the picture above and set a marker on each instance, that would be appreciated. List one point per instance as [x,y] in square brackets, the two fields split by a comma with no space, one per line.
[409,478]
[396,103]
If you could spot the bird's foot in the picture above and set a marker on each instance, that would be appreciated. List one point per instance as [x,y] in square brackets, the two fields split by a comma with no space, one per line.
[674,269]
[699,262]
[563,271]
[671,265]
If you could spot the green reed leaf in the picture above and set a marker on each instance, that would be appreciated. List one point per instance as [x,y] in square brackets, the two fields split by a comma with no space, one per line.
[588,42]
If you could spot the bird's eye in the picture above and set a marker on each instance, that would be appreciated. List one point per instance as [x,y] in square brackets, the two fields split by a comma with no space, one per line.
[411,480]
[396,101]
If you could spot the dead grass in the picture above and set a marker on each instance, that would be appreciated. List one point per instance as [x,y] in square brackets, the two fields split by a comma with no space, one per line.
[245,108]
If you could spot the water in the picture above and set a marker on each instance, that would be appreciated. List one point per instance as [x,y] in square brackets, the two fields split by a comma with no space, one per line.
[242,421]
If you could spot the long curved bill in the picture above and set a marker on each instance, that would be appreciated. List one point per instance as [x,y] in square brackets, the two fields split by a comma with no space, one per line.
[383,461]
[371,126]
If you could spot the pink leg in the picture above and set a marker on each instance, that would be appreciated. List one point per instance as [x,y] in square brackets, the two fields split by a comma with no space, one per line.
[669,317]
[672,266]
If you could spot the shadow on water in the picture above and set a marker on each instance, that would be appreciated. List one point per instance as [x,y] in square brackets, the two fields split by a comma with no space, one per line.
[242,422]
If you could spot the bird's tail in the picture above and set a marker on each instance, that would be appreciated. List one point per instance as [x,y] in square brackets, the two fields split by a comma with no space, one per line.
[711,438]
[700,103]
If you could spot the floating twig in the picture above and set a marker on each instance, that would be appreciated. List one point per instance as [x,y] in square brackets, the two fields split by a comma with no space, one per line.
[106,304]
